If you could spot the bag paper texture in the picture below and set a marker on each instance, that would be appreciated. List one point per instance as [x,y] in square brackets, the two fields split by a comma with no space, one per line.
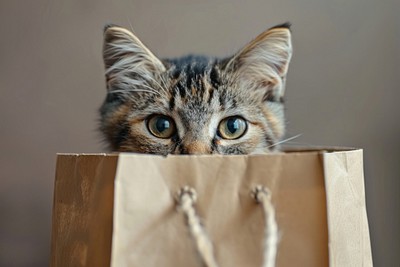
[349,243]
[83,210]
[120,210]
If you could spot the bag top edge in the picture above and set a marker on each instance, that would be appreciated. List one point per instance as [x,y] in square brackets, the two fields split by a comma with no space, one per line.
[323,149]
[285,150]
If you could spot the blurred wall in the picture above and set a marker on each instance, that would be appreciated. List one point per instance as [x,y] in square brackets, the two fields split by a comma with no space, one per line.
[343,89]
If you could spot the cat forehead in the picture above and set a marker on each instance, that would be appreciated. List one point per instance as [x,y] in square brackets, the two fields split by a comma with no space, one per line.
[196,77]
[197,61]
[200,85]
[191,66]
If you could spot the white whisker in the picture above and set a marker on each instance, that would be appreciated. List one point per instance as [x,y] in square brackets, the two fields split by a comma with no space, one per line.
[130,24]
[284,141]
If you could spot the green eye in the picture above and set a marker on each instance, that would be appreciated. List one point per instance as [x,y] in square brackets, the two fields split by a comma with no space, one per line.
[232,128]
[161,126]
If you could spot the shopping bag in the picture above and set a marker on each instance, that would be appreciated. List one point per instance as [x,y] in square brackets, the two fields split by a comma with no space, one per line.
[211,210]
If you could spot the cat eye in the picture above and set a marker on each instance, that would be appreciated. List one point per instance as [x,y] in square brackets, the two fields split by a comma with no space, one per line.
[232,128]
[161,126]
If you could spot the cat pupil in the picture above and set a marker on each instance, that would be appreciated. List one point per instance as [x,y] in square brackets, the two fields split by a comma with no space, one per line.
[162,125]
[233,125]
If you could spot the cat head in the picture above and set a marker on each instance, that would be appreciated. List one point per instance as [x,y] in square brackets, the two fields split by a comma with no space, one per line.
[195,105]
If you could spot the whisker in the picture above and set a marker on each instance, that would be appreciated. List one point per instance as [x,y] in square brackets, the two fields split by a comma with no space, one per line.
[130,23]
[284,141]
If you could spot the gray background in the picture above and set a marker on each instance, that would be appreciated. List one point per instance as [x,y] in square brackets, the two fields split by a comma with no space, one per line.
[343,89]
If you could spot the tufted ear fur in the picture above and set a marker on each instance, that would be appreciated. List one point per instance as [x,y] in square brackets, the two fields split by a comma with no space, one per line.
[263,63]
[127,60]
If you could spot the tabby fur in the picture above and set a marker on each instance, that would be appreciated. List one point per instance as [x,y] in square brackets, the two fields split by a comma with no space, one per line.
[197,93]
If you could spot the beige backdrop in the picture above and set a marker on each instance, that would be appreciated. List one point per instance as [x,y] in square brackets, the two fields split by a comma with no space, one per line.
[343,89]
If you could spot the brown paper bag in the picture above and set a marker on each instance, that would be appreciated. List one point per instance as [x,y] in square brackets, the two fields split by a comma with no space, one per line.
[318,199]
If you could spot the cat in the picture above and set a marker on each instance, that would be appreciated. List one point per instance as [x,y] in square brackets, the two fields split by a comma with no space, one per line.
[195,104]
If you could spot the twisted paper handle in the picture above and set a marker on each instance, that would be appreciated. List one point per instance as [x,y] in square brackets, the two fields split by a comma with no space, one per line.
[263,196]
[186,199]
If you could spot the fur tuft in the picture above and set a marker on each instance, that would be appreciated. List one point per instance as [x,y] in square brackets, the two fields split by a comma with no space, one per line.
[108,25]
[286,25]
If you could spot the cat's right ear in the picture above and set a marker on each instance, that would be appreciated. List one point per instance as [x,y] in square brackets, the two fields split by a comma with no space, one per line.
[127,60]
[261,66]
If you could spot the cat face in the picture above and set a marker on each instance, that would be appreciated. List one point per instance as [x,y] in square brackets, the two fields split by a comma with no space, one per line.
[195,105]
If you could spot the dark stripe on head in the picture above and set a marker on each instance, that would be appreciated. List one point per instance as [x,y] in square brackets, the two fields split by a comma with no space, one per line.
[175,73]
[234,103]
[222,99]
[210,95]
[172,101]
[189,81]
[182,87]
[215,77]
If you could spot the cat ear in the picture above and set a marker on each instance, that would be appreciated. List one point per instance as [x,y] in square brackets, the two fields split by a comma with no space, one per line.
[127,60]
[263,64]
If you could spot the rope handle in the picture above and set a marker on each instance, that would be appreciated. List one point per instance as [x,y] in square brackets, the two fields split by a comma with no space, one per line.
[263,196]
[186,199]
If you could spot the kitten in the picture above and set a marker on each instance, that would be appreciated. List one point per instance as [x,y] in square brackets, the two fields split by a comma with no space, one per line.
[195,104]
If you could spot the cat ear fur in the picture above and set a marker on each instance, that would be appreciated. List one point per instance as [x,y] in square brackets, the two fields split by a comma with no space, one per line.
[125,56]
[263,63]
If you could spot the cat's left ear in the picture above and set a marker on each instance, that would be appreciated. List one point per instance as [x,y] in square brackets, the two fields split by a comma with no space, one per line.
[262,65]
[127,60]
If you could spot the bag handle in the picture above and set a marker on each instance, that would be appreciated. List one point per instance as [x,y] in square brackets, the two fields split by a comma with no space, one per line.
[263,196]
[187,197]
